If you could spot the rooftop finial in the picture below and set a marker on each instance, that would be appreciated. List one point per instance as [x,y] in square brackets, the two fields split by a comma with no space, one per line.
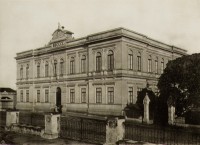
[59,25]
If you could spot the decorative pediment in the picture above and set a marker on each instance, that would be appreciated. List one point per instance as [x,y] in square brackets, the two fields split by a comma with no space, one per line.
[61,33]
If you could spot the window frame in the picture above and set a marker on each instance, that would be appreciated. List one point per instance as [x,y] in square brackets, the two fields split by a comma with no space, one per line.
[110,95]
[27,96]
[98,62]
[83,95]
[139,65]
[38,96]
[46,99]
[72,95]
[98,95]
[110,60]
[83,64]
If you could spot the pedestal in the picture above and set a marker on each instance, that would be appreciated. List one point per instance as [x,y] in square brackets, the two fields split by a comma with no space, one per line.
[171,115]
[146,109]
[52,126]
[114,130]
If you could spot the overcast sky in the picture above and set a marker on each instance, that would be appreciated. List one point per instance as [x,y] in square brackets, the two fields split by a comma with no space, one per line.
[29,24]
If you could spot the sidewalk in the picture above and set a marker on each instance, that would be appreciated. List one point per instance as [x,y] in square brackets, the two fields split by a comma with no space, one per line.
[25,139]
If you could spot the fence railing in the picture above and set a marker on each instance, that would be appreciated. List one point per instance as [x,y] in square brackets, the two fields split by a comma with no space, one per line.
[30,118]
[162,135]
[88,130]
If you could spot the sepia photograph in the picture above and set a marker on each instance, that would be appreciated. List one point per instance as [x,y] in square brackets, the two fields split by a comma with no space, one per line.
[100,72]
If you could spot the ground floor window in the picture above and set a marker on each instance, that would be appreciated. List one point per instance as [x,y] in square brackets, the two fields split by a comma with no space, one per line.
[130,94]
[21,96]
[46,96]
[83,95]
[98,95]
[27,95]
[110,95]
[72,96]
[38,95]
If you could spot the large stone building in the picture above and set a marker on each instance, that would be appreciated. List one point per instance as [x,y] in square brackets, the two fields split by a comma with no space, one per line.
[97,74]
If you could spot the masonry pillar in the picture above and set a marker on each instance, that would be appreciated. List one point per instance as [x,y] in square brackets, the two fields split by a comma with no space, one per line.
[115,130]
[171,110]
[12,117]
[146,109]
[171,114]
[52,126]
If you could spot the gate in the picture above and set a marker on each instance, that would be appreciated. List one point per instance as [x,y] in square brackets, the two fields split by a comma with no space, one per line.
[84,129]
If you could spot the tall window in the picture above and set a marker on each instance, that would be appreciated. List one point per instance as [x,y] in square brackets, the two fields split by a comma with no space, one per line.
[38,95]
[83,64]
[110,95]
[27,71]
[46,95]
[130,60]
[130,94]
[149,64]
[98,61]
[110,60]
[27,95]
[72,65]
[98,95]
[162,65]
[21,96]
[21,72]
[83,95]
[38,70]
[46,69]
[156,65]
[61,67]
[139,62]
[55,67]
[72,96]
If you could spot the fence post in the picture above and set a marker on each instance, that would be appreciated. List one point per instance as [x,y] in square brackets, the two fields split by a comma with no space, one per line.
[52,126]
[146,108]
[115,130]
[12,117]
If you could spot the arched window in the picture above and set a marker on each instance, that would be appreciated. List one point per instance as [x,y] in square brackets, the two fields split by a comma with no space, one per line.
[156,65]
[21,72]
[110,60]
[61,67]
[72,65]
[27,71]
[46,69]
[83,64]
[98,61]
[130,60]
[149,67]
[55,67]
[38,69]
[162,65]
[139,61]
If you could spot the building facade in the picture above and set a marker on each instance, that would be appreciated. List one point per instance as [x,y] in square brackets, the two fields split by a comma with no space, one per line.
[96,74]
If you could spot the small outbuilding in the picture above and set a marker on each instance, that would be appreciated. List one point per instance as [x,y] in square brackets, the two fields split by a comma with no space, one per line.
[7,98]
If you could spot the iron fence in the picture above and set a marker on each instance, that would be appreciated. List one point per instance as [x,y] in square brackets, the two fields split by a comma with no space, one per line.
[88,130]
[162,135]
[30,118]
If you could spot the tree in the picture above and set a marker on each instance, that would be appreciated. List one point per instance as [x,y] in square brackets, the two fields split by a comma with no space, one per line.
[181,83]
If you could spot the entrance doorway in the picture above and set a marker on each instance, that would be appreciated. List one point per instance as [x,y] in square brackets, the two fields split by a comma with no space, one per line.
[58,99]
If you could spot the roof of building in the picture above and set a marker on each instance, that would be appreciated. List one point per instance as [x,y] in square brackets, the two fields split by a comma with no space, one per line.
[113,33]
[7,90]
